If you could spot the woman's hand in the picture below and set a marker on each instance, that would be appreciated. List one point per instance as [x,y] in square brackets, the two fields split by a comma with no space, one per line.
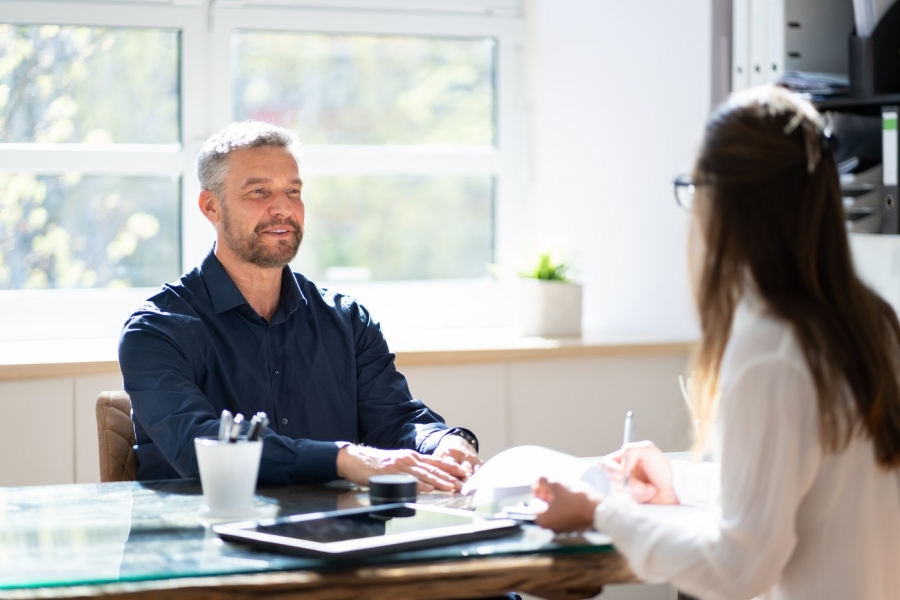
[568,509]
[651,472]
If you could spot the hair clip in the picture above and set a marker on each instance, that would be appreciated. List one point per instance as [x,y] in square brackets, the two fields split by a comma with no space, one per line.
[828,140]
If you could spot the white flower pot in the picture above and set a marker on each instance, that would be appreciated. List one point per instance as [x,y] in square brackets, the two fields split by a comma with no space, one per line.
[549,308]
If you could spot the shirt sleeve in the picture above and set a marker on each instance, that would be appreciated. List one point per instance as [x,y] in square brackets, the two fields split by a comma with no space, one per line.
[172,410]
[695,483]
[770,455]
[389,417]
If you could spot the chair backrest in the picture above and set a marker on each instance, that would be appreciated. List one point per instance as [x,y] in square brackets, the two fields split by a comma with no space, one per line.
[115,432]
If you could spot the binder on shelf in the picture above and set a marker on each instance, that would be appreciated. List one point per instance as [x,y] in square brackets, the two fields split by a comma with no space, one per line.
[890,157]
[740,50]
[772,37]
[759,42]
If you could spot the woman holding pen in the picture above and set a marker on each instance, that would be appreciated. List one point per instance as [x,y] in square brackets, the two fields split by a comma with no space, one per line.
[795,387]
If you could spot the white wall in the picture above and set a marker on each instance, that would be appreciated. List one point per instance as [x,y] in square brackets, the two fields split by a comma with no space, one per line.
[618,94]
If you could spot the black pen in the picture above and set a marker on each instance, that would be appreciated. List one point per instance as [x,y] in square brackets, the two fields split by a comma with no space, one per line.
[263,423]
[254,424]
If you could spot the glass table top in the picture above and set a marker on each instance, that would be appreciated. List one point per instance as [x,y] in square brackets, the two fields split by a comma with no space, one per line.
[132,531]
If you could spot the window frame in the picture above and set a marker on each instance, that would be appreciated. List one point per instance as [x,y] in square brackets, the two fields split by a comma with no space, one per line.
[207,106]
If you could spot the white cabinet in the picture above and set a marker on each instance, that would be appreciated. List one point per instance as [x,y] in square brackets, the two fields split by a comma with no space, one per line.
[87,458]
[578,406]
[473,396]
[38,440]
[575,405]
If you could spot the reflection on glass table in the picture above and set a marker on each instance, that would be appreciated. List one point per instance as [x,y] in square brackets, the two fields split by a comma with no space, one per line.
[95,533]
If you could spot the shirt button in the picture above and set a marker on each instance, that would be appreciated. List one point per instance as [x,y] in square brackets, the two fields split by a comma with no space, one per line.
[284,421]
[276,373]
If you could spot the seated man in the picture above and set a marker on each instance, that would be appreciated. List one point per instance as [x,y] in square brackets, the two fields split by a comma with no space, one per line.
[243,332]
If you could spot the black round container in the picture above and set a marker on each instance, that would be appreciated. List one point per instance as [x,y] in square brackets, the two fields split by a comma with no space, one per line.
[392,489]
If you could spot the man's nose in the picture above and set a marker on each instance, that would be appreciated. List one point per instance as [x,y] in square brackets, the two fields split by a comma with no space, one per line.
[281,205]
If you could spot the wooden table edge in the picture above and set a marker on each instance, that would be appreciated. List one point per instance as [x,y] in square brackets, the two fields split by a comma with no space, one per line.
[556,577]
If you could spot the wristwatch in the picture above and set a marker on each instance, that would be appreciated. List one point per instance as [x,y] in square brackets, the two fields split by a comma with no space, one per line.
[464,434]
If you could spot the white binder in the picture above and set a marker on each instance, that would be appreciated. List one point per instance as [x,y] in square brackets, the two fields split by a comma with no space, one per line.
[740,45]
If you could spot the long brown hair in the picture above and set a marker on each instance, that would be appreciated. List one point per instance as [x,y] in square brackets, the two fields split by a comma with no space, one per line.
[772,211]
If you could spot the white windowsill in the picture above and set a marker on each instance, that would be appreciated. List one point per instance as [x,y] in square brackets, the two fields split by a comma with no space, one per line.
[21,360]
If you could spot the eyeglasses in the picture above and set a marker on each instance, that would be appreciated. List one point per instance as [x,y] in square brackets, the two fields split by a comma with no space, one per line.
[685,188]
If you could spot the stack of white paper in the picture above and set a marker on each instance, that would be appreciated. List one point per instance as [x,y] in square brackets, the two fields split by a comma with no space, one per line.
[513,472]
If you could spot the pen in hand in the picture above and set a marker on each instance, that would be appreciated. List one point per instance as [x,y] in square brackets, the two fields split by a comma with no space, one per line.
[627,438]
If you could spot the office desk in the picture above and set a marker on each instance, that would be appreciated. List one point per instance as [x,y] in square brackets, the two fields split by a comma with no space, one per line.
[143,540]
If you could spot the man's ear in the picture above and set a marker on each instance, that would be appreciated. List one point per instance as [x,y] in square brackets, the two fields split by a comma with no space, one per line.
[210,206]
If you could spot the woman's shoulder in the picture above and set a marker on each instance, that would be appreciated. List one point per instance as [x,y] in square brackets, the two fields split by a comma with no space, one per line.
[759,337]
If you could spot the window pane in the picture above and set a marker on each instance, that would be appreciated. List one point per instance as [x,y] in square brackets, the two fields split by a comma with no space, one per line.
[366,89]
[88,85]
[74,231]
[387,228]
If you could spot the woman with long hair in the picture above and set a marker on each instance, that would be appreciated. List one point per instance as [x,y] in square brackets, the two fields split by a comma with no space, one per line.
[795,389]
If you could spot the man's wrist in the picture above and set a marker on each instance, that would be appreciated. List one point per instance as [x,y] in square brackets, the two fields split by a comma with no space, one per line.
[465,434]
[343,455]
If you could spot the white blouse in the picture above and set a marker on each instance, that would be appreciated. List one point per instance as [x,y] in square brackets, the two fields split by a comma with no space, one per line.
[786,520]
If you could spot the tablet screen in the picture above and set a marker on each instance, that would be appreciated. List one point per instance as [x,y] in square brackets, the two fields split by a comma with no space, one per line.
[344,528]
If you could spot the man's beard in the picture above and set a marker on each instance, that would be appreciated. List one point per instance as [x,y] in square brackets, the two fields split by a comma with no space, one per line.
[250,248]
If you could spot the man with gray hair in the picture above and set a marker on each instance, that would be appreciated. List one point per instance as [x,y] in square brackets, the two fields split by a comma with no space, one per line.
[244,333]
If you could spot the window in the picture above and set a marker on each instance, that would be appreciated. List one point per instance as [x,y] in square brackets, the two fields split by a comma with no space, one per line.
[390,228]
[411,124]
[367,89]
[65,87]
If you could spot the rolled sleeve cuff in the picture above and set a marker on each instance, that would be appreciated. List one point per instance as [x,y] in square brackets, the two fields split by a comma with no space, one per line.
[430,443]
[608,514]
[318,461]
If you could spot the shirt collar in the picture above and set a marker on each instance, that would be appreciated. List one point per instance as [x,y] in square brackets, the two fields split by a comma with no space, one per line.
[750,306]
[291,294]
[226,295]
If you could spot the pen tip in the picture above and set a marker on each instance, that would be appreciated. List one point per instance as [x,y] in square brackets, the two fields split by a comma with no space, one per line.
[628,414]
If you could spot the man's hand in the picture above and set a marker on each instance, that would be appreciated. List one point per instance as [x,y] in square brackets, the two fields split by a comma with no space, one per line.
[568,508]
[459,451]
[358,463]
[651,472]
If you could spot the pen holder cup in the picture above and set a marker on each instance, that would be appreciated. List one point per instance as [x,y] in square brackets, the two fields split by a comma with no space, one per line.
[228,473]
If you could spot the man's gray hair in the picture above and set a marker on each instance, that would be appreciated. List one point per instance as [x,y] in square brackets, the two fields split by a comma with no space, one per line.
[211,166]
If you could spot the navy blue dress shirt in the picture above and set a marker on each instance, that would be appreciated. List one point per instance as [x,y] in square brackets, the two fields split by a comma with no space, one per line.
[321,370]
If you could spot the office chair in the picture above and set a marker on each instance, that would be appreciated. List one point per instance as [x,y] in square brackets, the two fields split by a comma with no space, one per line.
[115,432]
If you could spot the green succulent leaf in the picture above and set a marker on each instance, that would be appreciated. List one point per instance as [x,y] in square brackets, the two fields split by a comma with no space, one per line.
[548,270]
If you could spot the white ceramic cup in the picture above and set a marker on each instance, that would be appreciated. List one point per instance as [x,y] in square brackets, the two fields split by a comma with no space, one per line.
[228,474]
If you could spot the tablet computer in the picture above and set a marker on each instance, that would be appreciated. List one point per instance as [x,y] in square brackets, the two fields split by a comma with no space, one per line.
[367,531]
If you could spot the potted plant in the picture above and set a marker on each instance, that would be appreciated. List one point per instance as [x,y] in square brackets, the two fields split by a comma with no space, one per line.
[549,302]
